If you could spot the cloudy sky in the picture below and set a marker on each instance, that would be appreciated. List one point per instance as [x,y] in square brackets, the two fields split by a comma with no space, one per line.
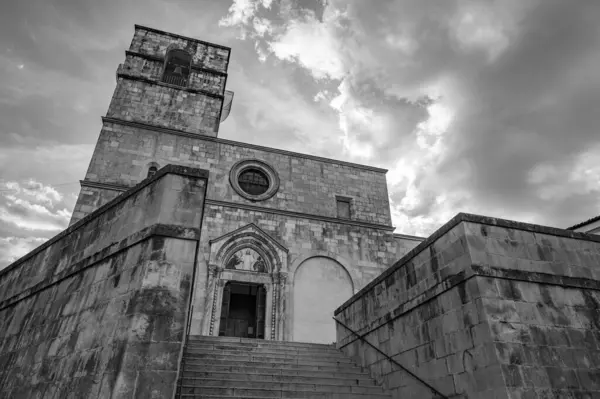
[488,107]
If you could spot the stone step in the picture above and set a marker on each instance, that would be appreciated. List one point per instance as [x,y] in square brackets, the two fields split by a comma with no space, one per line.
[228,367]
[358,393]
[273,364]
[303,395]
[274,357]
[314,378]
[352,373]
[325,385]
[245,347]
[278,386]
[210,339]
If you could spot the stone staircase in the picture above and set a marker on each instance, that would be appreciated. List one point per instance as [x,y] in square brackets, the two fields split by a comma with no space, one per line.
[225,367]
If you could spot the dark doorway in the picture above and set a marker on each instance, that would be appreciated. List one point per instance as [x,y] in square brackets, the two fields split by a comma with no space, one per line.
[243,310]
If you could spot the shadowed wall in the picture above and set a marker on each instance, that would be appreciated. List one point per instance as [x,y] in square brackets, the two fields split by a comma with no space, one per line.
[100,310]
[485,308]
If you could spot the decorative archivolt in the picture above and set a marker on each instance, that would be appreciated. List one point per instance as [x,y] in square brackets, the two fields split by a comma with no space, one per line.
[249,248]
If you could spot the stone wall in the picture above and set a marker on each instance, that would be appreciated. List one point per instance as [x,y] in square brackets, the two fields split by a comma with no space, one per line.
[361,250]
[100,310]
[154,43]
[308,184]
[484,308]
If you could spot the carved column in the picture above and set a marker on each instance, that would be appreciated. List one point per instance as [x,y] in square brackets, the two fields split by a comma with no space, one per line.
[274,307]
[281,308]
[213,277]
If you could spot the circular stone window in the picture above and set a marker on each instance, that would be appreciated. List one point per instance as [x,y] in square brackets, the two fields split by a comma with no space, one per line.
[254,180]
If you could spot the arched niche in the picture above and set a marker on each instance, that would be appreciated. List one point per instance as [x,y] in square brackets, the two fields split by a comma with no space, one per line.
[320,285]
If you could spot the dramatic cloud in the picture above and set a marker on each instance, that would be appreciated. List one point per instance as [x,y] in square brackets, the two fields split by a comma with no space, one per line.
[483,107]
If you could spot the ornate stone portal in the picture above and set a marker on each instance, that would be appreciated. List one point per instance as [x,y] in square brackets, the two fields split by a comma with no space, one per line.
[252,257]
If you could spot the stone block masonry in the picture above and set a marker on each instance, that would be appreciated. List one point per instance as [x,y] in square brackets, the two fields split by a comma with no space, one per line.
[141,96]
[100,310]
[308,184]
[484,308]
[154,42]
[361,250]
[165,106]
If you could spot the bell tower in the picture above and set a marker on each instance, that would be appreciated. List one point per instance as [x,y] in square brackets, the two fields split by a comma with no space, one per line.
[171,81]
[169,85]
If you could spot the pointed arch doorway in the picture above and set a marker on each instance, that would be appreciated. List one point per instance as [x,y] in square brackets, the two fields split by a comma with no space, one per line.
[243,310]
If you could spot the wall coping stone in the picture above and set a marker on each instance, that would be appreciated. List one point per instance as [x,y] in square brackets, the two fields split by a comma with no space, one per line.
[167,169]
[465,218]
[141,125]
[151,57]
[409,237]
[156,230]
[114,187]
[163,84]
[536,277]
[162,32]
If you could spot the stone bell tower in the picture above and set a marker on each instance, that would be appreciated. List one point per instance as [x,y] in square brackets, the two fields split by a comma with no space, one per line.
[167,83]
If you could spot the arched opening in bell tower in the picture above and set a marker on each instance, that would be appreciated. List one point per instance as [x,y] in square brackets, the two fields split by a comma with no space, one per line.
[177,67]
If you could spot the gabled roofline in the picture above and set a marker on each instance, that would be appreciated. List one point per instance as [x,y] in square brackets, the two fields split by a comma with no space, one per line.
[234,232]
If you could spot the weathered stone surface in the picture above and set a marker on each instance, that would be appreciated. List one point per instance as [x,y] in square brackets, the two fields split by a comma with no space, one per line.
[511,308]
[100,310]
[155,43]
[308,186]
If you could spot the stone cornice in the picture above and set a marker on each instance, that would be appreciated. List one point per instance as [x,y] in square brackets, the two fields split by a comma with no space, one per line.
[162,32]
[298,215]
[176,132]
[408,237]
[109,186]
[195,67]
[159,83]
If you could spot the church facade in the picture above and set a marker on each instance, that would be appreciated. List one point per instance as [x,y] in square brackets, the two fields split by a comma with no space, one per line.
[285,237]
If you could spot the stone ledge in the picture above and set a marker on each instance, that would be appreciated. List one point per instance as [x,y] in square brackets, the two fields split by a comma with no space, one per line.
[194,67]
[536,277]
[162,32]
[168,169]
[460,218]
[146,126]
[104,186]
[159,83]
[157,230]
[408,237]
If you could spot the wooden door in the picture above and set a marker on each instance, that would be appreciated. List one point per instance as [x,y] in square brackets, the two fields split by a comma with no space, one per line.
[261,296]
[225,309]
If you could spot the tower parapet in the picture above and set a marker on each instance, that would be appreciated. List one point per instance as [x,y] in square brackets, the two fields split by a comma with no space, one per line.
[171,81]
